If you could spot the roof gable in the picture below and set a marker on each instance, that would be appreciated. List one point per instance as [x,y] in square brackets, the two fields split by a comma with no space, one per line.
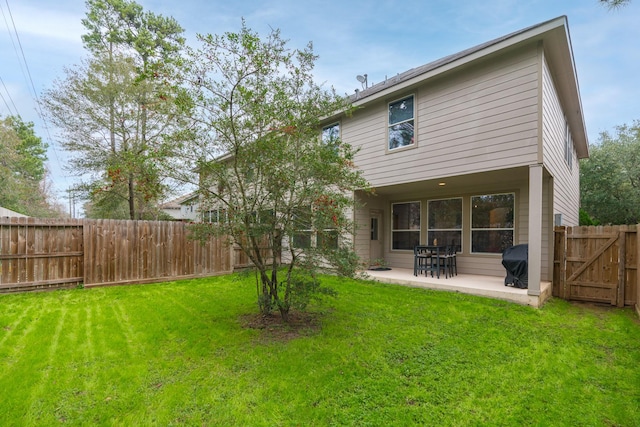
[555,39]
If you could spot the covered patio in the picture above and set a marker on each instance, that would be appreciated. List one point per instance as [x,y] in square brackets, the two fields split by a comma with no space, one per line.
[486,286]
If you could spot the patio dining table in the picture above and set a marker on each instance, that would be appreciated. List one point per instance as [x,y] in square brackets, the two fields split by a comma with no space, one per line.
[427,258]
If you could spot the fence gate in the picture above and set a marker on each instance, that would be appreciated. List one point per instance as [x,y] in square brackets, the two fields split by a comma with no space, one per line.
[597,264]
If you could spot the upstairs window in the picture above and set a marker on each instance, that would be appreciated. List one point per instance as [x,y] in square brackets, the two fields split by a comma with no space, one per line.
[331,134]
[568,146]
[401,123]
[214,216]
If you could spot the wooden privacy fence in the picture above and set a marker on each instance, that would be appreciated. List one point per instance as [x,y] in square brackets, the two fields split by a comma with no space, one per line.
[42,253]
[598,264]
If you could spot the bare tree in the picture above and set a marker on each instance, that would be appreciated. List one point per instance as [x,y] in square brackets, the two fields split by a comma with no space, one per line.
[614,4]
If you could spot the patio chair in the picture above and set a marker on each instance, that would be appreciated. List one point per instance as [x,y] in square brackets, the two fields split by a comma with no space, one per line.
[421,260]
[448,262]
[451,260]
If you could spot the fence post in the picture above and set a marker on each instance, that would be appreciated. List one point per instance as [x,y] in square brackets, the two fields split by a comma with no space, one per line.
[559,262]
[638,269]
[622,264]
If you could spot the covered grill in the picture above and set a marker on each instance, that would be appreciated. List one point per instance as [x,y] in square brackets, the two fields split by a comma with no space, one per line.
[515,260]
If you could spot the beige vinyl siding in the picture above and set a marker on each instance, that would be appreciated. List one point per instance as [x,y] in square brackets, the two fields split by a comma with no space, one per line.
[362,218]
[546,258]
[361,238]
[566,181]
[480,119]
[482,265]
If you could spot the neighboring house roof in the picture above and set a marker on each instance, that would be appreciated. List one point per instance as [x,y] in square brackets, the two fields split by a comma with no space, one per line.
[177,202]
[9,212]
[553,34]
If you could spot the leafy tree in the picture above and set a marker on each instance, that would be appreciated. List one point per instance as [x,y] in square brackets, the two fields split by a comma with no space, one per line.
[610,177]
[23,186]
[123,180]
[116,108]
[154,41]
[585,218]
[31,149]
[270,182]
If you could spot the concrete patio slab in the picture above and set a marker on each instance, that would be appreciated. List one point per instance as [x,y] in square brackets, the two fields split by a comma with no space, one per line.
[486,286]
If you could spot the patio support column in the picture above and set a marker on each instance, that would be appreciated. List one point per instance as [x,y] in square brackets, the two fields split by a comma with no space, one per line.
[535,229]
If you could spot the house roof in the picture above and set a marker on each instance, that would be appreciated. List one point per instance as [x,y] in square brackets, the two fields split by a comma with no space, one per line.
[177,202]
[10,213]
[555,39]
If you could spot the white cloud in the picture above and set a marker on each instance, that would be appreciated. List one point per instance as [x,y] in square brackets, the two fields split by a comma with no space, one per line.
[354,37]
[47,23]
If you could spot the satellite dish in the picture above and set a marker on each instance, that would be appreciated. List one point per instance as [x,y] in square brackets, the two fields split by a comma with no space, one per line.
[363,80]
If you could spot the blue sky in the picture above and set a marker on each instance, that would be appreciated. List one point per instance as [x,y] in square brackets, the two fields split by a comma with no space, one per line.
[351,37]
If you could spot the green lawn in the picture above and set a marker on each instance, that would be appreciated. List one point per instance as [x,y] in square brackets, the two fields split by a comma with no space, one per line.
[180,354]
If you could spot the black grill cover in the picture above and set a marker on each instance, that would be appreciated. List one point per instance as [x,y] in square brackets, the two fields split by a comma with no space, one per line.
[515,261]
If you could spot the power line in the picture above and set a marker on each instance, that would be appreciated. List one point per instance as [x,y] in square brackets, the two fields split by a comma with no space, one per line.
[30,80]
[5,101]
[17,113]
[13,43]
[15,30]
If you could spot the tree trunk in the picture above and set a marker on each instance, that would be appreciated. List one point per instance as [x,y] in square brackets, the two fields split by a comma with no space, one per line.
[284,313]
[264,299]
[112,101]
[132,202]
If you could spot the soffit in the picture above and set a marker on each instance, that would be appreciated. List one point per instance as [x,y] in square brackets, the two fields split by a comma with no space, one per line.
[495,180]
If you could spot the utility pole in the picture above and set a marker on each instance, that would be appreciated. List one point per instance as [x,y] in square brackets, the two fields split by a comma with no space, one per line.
[72,203]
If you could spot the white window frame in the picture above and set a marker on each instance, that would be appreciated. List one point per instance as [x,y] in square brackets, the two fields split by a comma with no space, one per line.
[460,230]
[215,216]
[394,230]
[568,145]
[314,234]
[412,119]
[327,137]
[472,229]
[306,231]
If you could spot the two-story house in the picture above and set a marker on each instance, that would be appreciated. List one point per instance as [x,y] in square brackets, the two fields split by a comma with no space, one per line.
[185,208]
[479,149]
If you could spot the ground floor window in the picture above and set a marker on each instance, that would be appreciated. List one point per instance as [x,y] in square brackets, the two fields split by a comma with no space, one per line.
[304,231]
[492,222]
[308,235]
[405,225]
[444,223]
[327,238]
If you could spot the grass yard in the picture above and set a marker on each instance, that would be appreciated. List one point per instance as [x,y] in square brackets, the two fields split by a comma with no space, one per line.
[180,353]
